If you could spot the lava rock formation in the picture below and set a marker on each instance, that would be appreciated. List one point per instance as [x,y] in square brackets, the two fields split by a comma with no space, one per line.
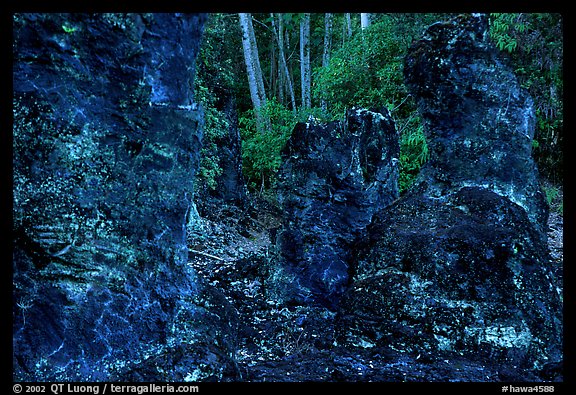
[459,266]
[334,177]
[106,142]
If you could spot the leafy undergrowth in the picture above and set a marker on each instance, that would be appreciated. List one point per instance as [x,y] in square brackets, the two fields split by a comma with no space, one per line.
[292,343]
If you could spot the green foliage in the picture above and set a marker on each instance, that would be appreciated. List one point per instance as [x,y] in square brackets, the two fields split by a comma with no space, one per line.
[534,45]
[261,150]
[503,28]
[413,154]
[551,193]
[215,77]
[215,127]
[218,61]
[366,71]
[554,198]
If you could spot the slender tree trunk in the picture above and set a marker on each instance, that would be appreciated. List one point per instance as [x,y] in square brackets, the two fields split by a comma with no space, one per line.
[281,82]
[273,80]
[279,33]
[327,47]
[327,39]
[253,70]
[364,20]
[256,62]
[348,24]
[249,62]
[305,61]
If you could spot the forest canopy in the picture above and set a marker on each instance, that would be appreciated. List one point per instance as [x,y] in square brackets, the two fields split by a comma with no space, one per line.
[284,68]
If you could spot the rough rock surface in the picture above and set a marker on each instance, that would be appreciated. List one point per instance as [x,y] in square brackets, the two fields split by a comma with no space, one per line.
[333,178]
[106,141]
[459,265]
[279,341]
[231,183]
[479,122]
[451,282]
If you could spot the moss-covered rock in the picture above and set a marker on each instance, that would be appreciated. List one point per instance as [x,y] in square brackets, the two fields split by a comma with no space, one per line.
[106,144]
[459,265]
[334,177]
[466,273]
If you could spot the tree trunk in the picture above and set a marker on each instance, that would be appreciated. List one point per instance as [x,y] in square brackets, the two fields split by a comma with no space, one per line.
[249,62]
[279,33]
[348,24]
[256,61]
[253,70]
[273,81]
[281,82]
[327,47]
[364,20]
[305,60]
[327,39]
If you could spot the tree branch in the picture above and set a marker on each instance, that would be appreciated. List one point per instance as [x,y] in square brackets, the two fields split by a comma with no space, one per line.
[207,255]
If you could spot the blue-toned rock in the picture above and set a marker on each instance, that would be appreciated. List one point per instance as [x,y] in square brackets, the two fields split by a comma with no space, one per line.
[334,177]
[106,144]
[459,265]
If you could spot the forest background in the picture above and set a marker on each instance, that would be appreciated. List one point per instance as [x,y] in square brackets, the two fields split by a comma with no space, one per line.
[280,69]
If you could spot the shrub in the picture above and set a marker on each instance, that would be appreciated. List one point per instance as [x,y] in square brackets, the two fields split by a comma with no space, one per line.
[261,157]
